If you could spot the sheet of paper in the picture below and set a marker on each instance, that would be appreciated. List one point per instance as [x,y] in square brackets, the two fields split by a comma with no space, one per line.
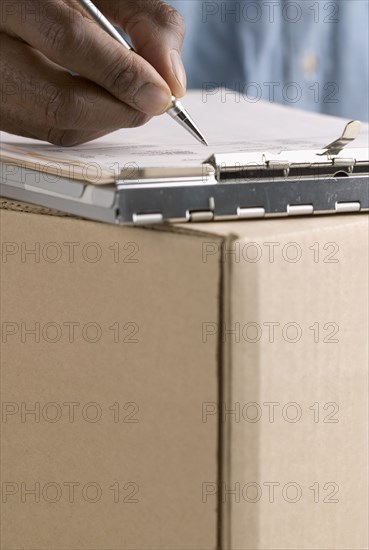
[229,122]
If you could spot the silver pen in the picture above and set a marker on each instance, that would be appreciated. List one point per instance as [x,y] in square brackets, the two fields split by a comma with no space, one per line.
[176,111]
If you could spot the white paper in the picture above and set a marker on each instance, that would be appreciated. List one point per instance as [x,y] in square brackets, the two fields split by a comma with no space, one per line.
[229,122]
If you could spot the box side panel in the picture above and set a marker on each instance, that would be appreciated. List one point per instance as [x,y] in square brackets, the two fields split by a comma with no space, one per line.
[298,411]
[104,374]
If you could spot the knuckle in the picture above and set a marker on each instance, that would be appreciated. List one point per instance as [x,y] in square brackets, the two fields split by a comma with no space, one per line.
[137,119]
[55,37]
[121,77]
[61,37]
[177,22]
[167,16]
[64,138]
[55,108]
[161,13]
[65,110]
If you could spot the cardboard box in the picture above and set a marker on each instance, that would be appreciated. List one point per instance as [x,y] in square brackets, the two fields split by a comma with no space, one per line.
[119,339]
[194,387]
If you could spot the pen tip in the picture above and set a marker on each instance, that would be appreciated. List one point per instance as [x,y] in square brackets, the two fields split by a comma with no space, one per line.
[179,113]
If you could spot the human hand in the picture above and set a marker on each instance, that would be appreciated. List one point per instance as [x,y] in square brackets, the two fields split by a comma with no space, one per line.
[42,41]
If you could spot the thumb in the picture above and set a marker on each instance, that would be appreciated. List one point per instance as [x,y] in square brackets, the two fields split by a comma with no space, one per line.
[157,31]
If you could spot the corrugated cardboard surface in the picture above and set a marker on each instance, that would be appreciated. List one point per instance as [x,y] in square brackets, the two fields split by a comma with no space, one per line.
[117,421]
[291,326]
[296,445]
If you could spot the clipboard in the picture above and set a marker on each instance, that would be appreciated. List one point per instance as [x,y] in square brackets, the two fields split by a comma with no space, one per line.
[230,186]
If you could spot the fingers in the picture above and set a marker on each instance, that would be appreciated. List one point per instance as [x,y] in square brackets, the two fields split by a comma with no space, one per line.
[157,31]
[42,98]
[76,42]
[19,122]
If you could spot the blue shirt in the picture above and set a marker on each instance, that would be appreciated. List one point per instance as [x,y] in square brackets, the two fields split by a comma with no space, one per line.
[304,53]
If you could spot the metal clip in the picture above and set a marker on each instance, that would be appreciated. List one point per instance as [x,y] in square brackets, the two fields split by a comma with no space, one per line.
[348,206]
[300,209]
[350,133]
[250,212]
[144,219]
[199,215]
[250,166]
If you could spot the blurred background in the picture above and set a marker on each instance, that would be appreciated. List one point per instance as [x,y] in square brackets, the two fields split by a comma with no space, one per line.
[307,54]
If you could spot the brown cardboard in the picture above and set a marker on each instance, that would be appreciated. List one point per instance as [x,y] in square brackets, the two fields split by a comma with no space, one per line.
[190,286]
[316,288]
[168,373]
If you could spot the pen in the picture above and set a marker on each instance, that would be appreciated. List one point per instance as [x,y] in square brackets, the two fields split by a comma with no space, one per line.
[176,111]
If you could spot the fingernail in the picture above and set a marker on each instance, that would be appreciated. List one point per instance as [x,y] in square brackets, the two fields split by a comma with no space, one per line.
[152,99]
[178,68]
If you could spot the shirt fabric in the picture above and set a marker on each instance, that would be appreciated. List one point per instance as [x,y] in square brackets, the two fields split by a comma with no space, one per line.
[304,53]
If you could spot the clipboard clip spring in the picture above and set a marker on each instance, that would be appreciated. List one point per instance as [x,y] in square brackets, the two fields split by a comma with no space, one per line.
[326,162]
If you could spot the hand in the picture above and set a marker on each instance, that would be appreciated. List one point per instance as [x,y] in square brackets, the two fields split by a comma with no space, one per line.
[42,41]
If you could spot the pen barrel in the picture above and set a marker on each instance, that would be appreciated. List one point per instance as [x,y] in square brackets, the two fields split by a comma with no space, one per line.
[176,109]
[104,22]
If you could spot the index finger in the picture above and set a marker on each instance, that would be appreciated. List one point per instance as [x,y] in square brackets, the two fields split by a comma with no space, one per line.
[68,37]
